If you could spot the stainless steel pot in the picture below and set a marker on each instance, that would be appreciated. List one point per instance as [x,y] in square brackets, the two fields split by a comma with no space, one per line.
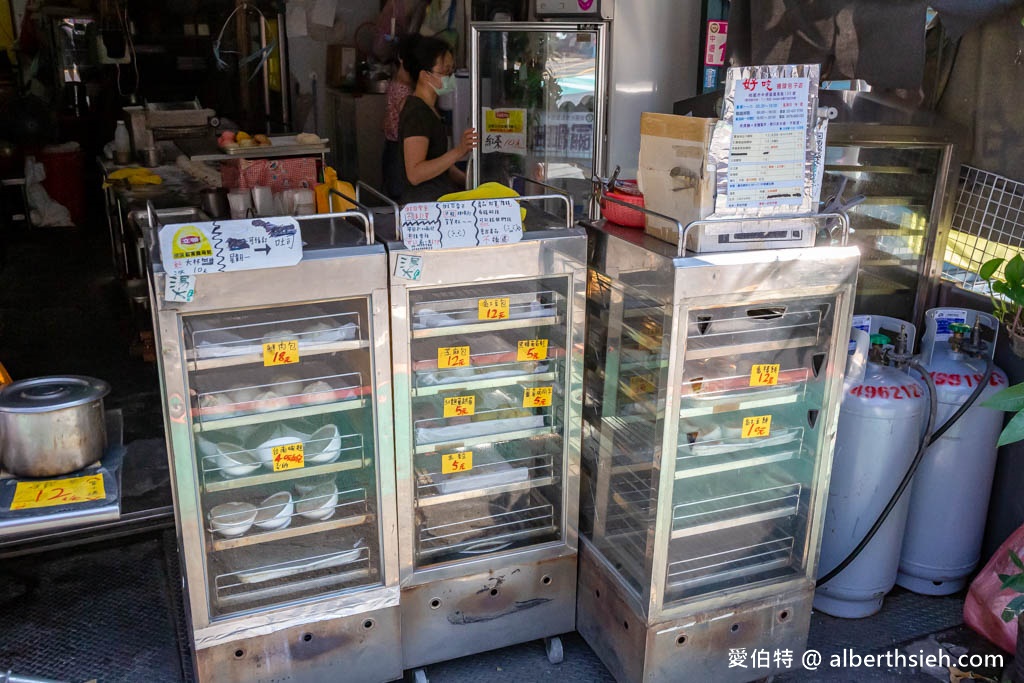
[51,426]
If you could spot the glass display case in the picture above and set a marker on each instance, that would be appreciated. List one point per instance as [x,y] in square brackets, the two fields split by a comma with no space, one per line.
[488,369]
[278,410]
[711,395]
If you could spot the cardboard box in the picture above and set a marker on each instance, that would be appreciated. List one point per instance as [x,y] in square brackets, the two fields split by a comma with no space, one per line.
[673,171]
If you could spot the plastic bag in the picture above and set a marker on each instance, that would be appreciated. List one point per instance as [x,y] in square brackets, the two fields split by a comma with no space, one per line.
[986,598]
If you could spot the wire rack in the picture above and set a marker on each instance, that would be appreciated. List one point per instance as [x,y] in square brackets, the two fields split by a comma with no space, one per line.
[988,222]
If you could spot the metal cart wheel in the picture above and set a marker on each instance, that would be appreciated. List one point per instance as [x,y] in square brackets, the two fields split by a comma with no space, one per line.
[553,646]
[420,676]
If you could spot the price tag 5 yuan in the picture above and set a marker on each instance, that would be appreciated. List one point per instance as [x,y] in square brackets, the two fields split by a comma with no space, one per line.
[456,462]
[764,375]
[493,309]
[452,357]
[757,427]
[458,406]
[288,457]
[532,349]
[537,397]
[281,353]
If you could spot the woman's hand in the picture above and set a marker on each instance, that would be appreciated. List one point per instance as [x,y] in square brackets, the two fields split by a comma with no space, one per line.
[470,140]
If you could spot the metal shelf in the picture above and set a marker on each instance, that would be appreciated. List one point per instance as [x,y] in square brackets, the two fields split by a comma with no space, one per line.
[495,326]
[201,364]
[442,499]
[286,475]
[729,565]
[318,585]
[731,404]
[486,438]
[291,532]
[538,474]
[750,347]
[276,415]
[740,509]
[480,384]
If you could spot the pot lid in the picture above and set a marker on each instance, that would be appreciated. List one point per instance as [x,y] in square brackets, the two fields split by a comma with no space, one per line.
[44,394]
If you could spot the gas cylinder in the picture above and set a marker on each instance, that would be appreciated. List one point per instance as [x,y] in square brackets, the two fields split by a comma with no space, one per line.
[942,542]
[881,420]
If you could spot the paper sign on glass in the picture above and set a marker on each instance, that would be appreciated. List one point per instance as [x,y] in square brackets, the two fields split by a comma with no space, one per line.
[504,131]
[444,225]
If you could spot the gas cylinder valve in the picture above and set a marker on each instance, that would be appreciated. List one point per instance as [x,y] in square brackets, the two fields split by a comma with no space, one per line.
[973,345]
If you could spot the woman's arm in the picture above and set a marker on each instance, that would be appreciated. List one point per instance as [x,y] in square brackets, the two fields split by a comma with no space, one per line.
[419,169]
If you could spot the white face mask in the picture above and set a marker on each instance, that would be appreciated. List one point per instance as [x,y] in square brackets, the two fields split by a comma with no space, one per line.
[447,85]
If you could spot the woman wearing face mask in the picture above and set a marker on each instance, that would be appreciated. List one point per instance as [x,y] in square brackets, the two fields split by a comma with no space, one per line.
[429,165]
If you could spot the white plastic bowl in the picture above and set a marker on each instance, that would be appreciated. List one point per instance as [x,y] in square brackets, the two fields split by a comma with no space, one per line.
[318,504]
[232,519]
[323,446]
[266,449]
[275,512]
[234,461]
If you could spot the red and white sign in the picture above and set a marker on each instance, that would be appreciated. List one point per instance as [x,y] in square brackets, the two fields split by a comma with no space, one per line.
[714,53]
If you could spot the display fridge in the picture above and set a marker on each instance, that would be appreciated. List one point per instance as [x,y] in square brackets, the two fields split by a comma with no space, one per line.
[711,395]
[487,361]
[276,388]
[538,102]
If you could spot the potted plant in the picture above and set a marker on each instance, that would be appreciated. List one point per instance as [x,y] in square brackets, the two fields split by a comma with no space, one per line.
[1007,294]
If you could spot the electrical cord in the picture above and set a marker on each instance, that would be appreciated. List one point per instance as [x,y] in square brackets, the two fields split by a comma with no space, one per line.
[927,439]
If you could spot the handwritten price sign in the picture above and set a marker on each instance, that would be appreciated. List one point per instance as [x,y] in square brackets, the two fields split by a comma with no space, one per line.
[452,357]
[288,457]
[281,353]
[532,349]
[459,406]
[757,427]
[537,397]
[493,309]
[764,375]
[456,462]
[41,494]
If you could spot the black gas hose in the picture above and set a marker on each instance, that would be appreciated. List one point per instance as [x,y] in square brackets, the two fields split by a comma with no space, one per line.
[927,439]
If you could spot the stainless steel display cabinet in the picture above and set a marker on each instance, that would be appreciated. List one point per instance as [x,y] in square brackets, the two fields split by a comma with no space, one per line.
[712,388]
[277,399]
[487,358]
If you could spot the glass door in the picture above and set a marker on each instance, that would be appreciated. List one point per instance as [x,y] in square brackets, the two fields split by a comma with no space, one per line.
[754,381]
[538,103]
[488,393]
[285,443]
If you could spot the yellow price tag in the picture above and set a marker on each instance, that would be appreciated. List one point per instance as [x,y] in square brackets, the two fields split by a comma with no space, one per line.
[288,457]
[492,309]
[756,427]
[456,462]
[452,357]
[281,353]
[537,397]
[459,406]
[532,349]
[641,384]
[41,494]
[764,375]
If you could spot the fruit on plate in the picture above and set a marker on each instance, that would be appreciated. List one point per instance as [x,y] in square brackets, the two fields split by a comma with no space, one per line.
[248,142]
[227,137]
[242,136]
[261,139]
[307,139]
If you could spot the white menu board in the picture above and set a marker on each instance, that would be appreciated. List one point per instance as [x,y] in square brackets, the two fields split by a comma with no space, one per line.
[445,225]
[222,246]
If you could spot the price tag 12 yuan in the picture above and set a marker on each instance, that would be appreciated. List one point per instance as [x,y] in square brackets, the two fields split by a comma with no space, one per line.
[452,357]
[764,375]
[52,492]
[456,462]
[281,353]
[288,457]
[537,397]
[532,349]
[458,406]
[493,309]
[757,427]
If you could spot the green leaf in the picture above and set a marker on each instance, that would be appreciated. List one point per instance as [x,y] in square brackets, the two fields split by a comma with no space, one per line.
[1014,582]
[1014,271]
[989,268]
[1013,432]
[1015,558]
[1013,609]
[1000,287]
[1010,399]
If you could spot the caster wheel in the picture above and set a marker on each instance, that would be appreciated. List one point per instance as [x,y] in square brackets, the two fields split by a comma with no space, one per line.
[420,676]
[553,646]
